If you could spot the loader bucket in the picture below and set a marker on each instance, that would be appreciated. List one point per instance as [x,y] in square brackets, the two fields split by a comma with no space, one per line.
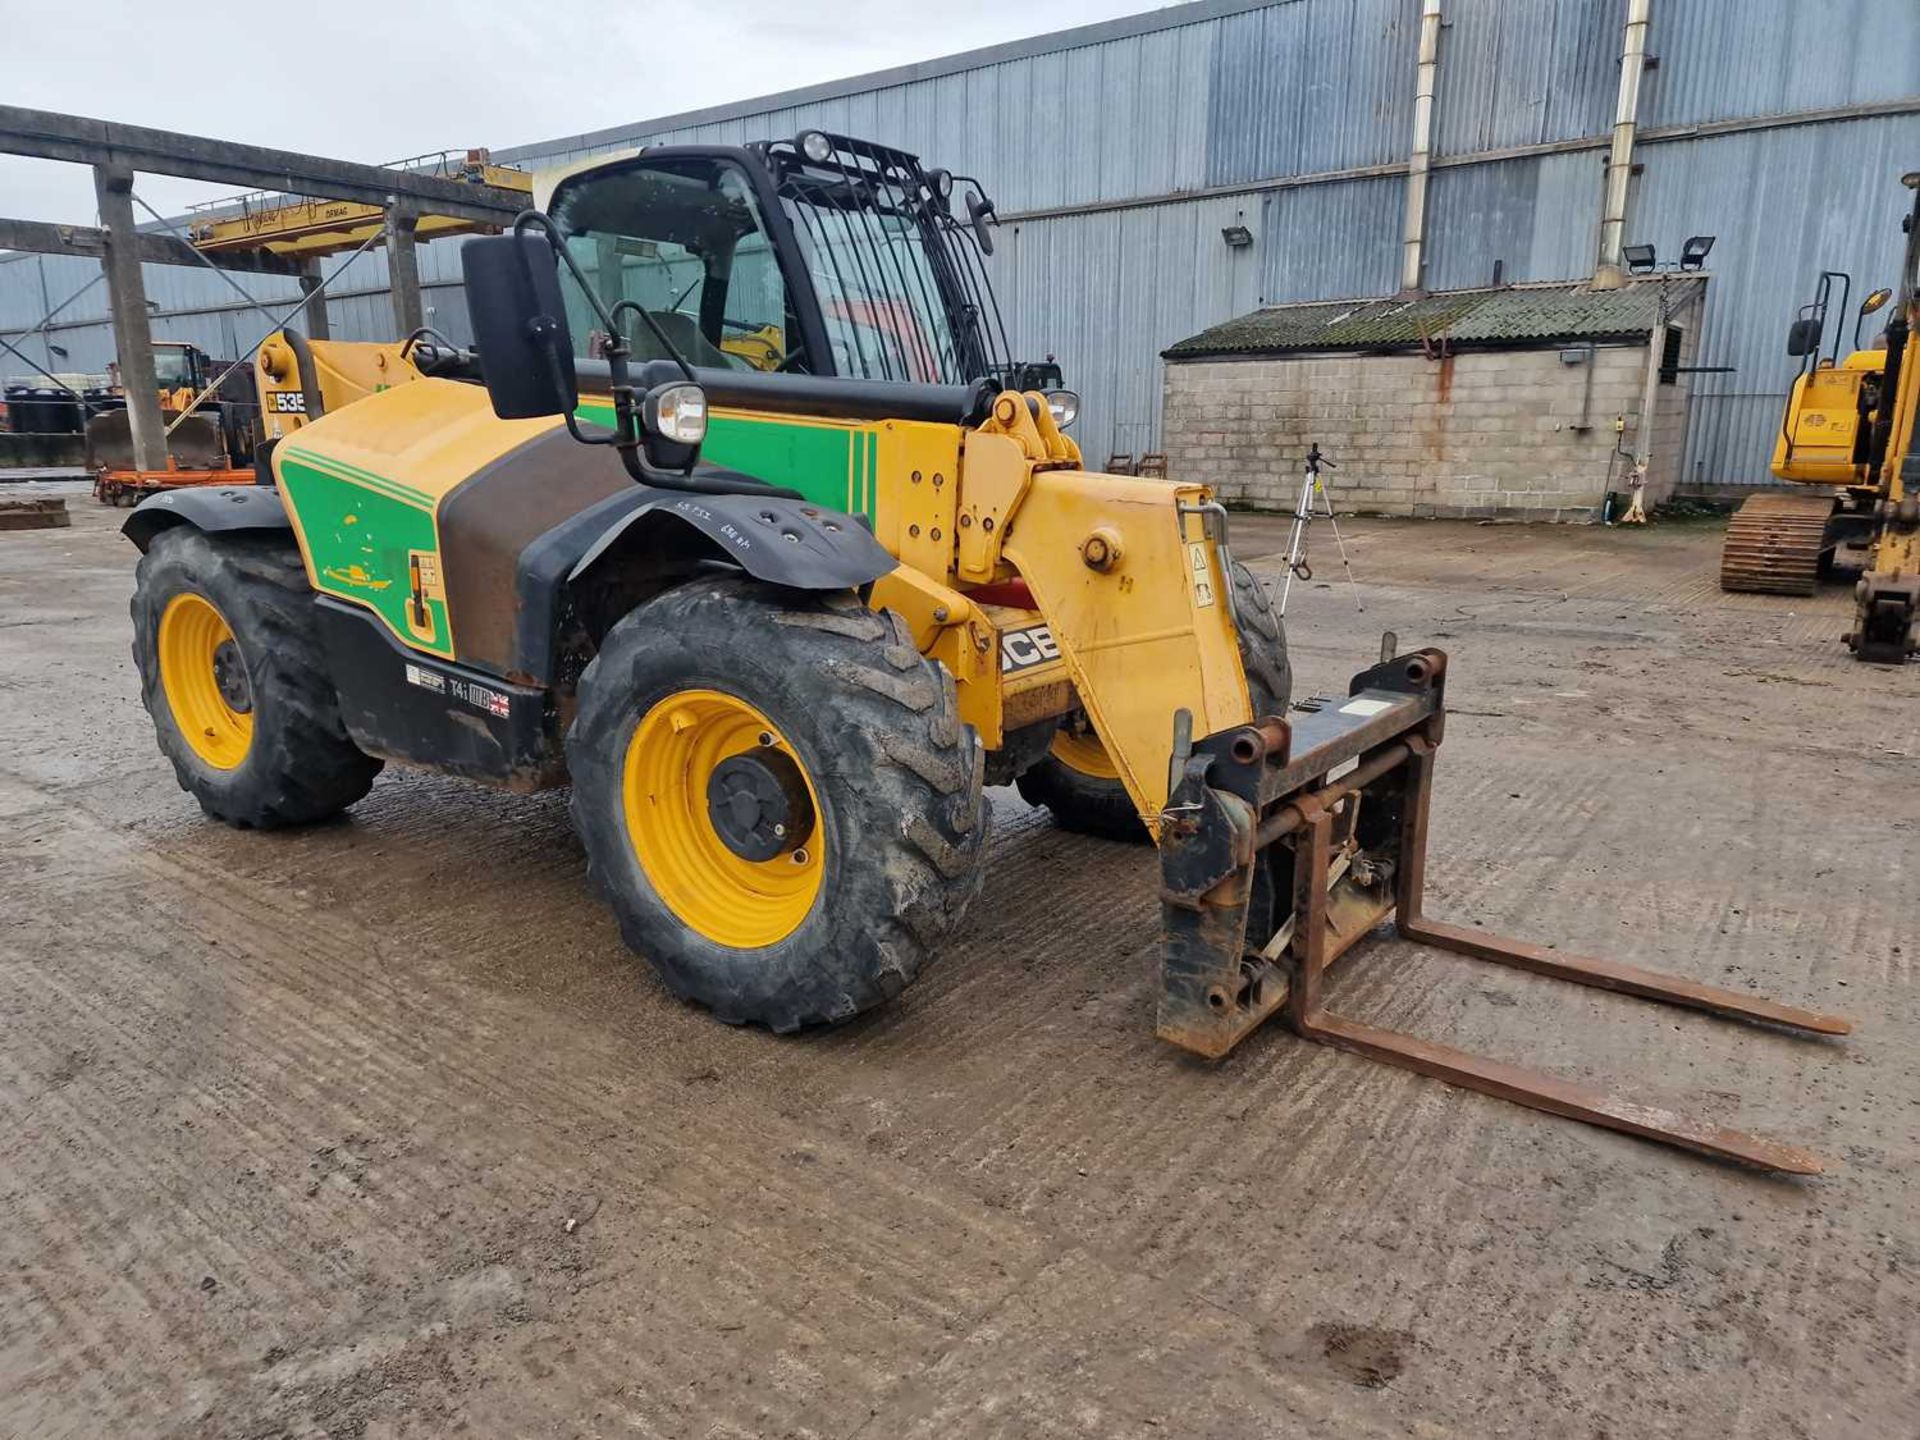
[194,444]
[1283,846]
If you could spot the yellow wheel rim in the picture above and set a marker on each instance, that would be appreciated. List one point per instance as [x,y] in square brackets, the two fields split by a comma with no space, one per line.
[724,896]
[205,680]
[1083,754]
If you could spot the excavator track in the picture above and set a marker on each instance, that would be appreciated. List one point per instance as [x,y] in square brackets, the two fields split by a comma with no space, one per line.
[1773,544]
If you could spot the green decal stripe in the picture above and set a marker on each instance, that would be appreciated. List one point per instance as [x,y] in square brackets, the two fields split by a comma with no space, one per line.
[360,536]
[829,464]
[366,479]
[359,472]
[369,487]
[346,471]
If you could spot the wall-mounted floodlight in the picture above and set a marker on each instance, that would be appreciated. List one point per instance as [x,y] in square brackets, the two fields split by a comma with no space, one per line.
[1238,236]
[1639,258]
[1693,253]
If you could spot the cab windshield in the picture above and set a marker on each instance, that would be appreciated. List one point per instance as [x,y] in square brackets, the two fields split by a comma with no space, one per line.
[903,294]
[172,367]
[685,238]
[685,241]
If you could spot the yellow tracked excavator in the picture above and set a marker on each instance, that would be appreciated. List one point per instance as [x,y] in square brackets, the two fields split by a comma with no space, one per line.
[1847,437]
[778,611]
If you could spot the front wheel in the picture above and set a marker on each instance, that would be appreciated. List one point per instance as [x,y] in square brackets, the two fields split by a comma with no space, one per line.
[234,675]
[777,798]
[1077,781]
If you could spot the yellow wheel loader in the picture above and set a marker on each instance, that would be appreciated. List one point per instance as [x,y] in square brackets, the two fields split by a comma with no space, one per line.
[1847,438]
[779,618]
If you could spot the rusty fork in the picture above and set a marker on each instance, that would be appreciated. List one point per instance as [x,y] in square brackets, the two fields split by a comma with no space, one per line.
[1221,977]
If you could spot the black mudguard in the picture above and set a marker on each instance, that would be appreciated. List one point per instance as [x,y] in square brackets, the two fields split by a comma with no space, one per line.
[210,508]
[784,542]
[794,543]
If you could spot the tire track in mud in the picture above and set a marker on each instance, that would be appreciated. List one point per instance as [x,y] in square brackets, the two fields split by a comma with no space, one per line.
[728,1163]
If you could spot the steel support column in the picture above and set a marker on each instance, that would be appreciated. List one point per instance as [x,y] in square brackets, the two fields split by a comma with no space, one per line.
[403,269]
[313,319]
[127,302]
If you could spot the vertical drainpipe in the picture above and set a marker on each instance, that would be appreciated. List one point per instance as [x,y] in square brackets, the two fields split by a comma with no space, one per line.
[1607,274]
[1413,241]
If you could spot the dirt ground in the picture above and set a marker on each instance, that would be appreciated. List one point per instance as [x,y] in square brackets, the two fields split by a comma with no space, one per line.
[376,1130]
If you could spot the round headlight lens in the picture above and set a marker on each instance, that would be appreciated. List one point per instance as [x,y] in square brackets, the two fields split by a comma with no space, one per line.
[1065,406]
[941,182]
[678,412]
[816,146]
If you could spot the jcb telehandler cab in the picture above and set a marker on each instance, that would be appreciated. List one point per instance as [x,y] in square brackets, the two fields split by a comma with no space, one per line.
[742,534]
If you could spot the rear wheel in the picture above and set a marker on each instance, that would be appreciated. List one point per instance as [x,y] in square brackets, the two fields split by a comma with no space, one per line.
[777,798]
[233,674]
[1077,780]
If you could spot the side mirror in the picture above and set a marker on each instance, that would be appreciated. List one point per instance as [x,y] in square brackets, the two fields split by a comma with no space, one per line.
[1875,300]
[979,211]
[520,325]
[1803,336]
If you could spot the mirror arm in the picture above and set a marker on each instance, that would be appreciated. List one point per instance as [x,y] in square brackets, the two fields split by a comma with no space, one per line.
[609,318]
[626,432]
[534,220]
[646,318]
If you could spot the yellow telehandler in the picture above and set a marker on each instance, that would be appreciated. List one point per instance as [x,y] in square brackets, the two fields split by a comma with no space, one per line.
[779,612]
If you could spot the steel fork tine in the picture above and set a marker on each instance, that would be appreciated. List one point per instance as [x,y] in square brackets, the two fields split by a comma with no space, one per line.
[1612,975]
[1541,1091]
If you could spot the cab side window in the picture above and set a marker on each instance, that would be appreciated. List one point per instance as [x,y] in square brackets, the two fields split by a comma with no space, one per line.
[684,241]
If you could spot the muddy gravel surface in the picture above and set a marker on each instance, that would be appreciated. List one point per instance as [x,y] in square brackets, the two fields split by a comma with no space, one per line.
[376,1130]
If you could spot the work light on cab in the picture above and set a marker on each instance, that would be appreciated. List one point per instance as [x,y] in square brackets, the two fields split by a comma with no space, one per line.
[677,412]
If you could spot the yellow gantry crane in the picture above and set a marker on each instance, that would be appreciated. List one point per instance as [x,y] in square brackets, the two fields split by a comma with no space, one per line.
[301,228]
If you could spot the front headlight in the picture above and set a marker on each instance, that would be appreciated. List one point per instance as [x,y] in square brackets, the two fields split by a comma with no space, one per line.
[677,411]
[816,146]
[1065,406]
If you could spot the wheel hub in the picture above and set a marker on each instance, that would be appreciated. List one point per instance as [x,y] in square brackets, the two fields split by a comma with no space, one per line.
[759,805]
[230,675]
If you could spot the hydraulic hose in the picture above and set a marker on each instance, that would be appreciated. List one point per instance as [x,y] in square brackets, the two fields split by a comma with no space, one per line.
[1898,336]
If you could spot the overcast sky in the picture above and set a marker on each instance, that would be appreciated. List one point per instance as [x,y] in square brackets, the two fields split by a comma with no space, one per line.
[383,81]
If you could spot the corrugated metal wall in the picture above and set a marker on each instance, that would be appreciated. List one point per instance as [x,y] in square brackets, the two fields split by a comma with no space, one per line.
[1152,134]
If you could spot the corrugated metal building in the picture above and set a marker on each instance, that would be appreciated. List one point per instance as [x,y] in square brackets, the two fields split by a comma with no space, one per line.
[1118,152]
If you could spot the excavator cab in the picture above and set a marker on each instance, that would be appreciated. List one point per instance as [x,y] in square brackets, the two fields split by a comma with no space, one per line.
[1846,436]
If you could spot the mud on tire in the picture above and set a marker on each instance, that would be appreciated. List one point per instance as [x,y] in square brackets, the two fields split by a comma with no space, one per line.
[1099,805]
[875,727]
[300,765]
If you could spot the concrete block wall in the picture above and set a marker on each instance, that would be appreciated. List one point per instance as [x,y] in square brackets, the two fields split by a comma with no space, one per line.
[1484,434]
